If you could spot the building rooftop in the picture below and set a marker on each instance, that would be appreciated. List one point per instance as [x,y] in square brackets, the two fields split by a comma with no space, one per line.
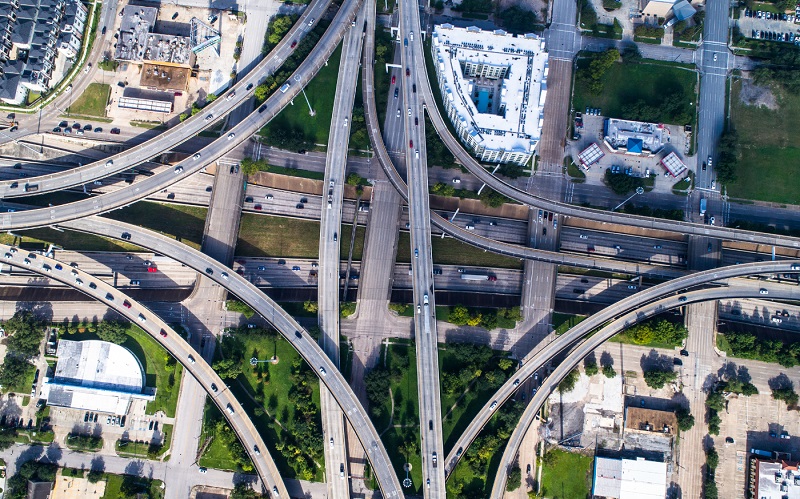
[633,137]
[95,375]
[496,82]
[629,479]
[672,162]
[137,42]
[591,155]
[776,479]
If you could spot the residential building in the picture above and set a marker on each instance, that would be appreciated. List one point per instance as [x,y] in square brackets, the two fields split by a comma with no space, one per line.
[493,86]
[32,33]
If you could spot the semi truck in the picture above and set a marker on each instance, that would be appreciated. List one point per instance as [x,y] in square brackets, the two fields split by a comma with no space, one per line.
[477,277]
[761,453]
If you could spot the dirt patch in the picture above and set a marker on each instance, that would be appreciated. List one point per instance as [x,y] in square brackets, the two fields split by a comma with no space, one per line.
[755,95]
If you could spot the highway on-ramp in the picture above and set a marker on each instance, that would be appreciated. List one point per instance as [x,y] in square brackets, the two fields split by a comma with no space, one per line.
[192,361]
[235,136]
[581,351]
[212,113]
[625,306]
[279,318]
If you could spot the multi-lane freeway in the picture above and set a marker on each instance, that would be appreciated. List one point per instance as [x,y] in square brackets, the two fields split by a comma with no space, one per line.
[240,132]
[138,314]
[294,333]
[336,462]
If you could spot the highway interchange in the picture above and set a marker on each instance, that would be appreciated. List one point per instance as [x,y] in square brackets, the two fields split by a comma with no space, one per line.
[587,248]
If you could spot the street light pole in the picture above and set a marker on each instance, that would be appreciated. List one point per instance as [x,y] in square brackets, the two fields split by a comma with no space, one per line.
[310,110]
[639,190]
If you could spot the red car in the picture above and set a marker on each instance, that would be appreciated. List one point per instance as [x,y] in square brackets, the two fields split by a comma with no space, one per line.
[152,269]
[127,304]
[393,79]
[257,207]
[294,44]
[163,333]
[411,144]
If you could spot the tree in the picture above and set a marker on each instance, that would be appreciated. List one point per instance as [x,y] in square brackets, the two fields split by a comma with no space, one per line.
[244,491]
[713,423]
[518,20]
[377,383]
[568,383]
[311,306]
[715,401]
[94,476]
[354,179]
[641,334]
[729,156]
[712,458]
[657,378]
[227,368]
[459,315]
[13,371]
[590,367]
[787,394]
[26,334]
[112,331]
[685,419]
[514,478]
[710,488]
[608,371]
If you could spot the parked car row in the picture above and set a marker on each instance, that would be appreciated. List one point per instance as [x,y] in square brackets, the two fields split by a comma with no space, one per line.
[775,36]
[771,16]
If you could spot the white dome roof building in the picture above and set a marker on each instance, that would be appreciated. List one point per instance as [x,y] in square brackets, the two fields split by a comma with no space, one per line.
[97,376]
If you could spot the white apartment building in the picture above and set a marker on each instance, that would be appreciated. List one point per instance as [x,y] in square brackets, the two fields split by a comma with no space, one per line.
[493,87]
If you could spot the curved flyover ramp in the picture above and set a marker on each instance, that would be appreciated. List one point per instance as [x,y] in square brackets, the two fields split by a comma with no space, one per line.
[138,314]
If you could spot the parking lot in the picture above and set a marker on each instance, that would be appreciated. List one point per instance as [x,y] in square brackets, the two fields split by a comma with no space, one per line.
[136,426]
[754,422]
[769,26]
[592,131]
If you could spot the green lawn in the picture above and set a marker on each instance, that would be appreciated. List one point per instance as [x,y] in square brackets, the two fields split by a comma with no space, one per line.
[566,475]
[216,455]
[320,92]
[92,101]
[268,236]
[274,389]
[114,487]
[463,409]
[154,361]
[449,251]
[401,356]
[184,223]
[139,449]
[770,152]
[627,83]
[563,322]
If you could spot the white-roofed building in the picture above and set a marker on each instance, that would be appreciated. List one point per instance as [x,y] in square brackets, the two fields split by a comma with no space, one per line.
[97,376]
[629,479]
[493,86]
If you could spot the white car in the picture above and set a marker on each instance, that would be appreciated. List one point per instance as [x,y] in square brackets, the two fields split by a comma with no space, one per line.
[416,153]
[345,122]
[494,404]
[196,156]
[322,371]
[109,163]
[178,169]
[224,275]
[191,360]
[231,135]
[209,117]
[68,89]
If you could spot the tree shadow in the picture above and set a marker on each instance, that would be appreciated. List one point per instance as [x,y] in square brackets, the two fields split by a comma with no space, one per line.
[781,382]
[97,464]
[606,359]
[590,360]
[674,491]
[656,361]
